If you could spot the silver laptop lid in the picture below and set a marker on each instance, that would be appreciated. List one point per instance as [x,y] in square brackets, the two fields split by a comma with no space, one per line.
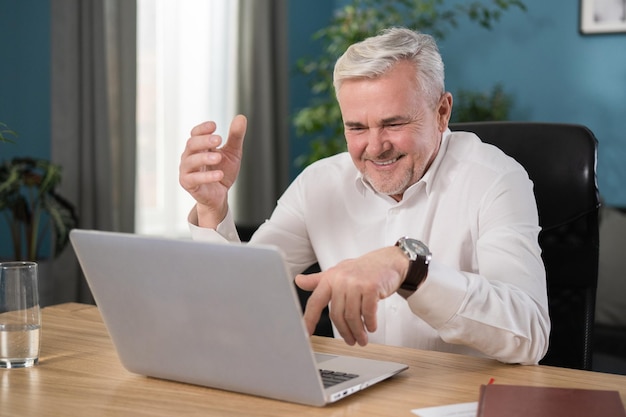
[220,315]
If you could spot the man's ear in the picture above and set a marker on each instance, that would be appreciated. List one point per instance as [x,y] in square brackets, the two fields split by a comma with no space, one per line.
[444,111]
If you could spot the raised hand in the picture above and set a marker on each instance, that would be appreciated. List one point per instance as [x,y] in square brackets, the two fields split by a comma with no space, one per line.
[207,171]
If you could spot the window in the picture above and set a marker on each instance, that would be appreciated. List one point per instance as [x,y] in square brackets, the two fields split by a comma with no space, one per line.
[185,60]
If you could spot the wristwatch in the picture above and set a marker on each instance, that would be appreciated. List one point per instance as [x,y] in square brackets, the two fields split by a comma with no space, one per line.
[419,257]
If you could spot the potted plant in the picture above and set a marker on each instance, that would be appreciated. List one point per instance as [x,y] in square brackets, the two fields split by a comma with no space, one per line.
[32,208]
[320,121]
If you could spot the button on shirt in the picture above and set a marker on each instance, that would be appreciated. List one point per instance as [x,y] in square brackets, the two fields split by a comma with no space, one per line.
[485,293]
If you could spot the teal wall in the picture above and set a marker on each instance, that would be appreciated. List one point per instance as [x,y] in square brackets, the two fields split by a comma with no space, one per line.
[24,84]
[555,75]
[305,18]
[25,75]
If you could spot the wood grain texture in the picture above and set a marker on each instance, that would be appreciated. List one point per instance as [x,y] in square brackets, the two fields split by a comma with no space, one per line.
[79,374]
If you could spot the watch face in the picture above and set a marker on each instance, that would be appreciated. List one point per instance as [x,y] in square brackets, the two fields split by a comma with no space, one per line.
[418,247]
[414,248]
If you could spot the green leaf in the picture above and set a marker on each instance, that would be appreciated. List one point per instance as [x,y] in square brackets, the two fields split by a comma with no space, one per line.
[5,132]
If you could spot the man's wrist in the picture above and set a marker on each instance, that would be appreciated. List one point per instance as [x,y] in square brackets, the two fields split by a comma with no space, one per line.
[206,217]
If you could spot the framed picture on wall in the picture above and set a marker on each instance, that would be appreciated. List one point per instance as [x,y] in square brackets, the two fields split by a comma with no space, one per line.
[602,16]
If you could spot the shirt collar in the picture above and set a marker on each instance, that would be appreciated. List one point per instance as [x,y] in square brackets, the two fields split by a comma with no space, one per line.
[431,173]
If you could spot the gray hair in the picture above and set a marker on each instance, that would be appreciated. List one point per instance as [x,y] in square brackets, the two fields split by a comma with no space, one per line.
[374,56]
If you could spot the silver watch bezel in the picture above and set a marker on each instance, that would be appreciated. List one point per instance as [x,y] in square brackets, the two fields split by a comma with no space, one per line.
[414,248]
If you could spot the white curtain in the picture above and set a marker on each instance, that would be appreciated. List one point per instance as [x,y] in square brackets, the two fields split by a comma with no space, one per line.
[209,60]
[186,60]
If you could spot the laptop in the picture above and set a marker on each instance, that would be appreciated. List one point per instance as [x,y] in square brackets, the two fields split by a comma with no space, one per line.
[221,315]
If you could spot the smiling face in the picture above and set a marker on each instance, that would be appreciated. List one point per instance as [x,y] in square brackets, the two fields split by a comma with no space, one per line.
[393,131]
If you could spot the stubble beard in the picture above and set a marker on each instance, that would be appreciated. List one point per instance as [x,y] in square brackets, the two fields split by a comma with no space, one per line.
[389,185]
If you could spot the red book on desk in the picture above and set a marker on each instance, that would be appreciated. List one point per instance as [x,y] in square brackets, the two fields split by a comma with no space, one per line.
[498,400]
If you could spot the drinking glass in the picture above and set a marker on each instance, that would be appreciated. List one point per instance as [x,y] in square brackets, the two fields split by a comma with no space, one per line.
[20,318]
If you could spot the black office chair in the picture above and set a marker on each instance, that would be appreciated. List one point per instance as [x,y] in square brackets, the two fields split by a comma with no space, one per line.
[561,161]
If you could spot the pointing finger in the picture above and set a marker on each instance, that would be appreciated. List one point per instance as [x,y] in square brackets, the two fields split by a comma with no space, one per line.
[316,303]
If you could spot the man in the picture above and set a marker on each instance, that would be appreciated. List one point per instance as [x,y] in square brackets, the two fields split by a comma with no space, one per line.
[481,292]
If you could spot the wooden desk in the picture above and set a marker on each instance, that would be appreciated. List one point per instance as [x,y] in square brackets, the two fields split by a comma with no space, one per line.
[79,374]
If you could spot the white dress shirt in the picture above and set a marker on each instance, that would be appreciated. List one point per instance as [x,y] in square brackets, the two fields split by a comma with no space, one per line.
[485,293]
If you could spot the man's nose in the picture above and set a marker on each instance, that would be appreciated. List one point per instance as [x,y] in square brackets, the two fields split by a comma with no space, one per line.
[377,142]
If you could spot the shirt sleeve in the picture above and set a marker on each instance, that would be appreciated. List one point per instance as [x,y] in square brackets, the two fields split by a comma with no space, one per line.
[287,229]
[502,309]
[225,232]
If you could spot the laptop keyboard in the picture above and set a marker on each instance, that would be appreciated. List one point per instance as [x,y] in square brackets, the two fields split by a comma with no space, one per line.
[330,378]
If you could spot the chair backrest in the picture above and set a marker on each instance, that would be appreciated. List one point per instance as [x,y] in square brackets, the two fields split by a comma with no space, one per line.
[561,161]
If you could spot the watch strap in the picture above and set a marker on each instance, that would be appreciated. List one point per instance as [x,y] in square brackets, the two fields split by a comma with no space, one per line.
[418,267]
[415,274]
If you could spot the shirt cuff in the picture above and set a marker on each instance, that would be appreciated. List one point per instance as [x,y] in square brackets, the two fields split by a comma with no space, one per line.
[225,232]
[440,296]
